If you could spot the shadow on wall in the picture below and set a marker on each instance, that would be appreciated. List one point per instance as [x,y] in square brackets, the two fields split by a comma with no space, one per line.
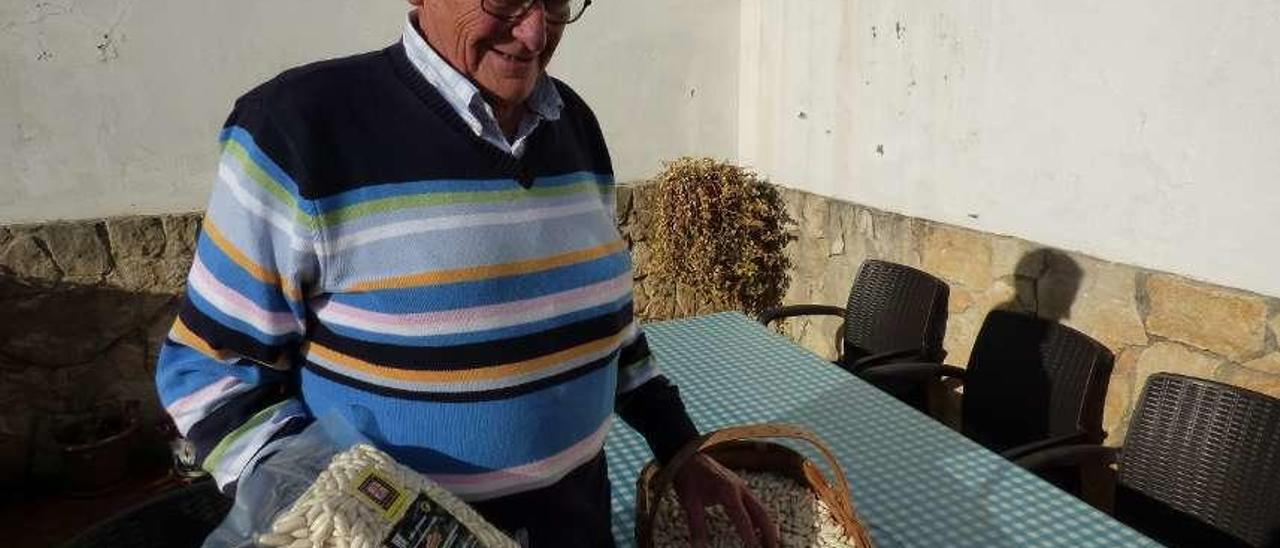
[1047,281]
[77,398]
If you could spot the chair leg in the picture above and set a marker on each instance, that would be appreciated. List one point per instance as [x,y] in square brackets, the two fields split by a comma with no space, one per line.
[944,400]
[1098,486]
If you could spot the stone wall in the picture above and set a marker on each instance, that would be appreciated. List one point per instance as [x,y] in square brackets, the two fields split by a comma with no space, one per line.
[1153,321]
[83,308]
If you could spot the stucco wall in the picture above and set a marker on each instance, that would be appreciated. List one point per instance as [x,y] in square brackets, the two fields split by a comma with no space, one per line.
[112,107]
[1144,132]
[662,77]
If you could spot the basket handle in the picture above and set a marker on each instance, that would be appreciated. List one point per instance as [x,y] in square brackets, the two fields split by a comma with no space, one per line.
[666,474]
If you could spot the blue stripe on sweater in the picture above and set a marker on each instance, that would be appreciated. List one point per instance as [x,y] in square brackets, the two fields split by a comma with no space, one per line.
[182,370]
[491,291]
[503,241]
[471,437]
[267,296]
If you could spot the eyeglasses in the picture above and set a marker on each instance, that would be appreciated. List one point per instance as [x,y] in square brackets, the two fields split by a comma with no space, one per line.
[558,12]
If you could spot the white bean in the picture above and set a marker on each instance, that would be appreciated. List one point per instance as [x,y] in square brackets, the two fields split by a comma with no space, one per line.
[275,539]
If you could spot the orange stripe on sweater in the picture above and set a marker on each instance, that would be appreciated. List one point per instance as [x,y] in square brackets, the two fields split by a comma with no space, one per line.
[254,269]
[478,374]
[188,337]
[491,271]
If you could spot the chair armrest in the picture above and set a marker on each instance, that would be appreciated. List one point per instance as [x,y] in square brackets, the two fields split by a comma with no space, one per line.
[768,316]
[1014,453]
[906,371]
[1069,455]
[880,358]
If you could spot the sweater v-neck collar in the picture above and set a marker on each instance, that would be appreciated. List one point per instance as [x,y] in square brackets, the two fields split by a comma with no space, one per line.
[516,167]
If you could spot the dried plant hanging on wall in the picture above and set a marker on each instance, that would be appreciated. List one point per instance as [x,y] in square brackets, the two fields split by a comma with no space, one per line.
[718,235]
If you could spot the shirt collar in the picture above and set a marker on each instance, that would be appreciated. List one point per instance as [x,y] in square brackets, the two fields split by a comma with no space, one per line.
[460,92]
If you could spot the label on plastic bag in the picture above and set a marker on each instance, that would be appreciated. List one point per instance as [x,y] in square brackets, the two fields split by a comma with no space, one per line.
[428,525]
[418,521]
[387,498]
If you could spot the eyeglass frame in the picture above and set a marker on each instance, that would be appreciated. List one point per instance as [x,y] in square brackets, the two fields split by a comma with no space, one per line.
[528,5]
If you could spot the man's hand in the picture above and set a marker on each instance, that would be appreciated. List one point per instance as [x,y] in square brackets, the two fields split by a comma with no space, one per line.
[702,482]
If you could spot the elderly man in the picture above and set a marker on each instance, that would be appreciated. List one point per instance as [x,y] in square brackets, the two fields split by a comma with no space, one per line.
[421,241]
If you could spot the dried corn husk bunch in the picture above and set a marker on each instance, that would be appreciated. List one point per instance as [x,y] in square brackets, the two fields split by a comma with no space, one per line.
[803,520]
[365,499]
[718,234]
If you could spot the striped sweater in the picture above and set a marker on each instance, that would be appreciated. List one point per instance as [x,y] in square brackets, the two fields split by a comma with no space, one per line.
[365,254]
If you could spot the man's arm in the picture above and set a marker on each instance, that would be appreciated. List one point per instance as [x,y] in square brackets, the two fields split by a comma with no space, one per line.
[225,373]
[649,403]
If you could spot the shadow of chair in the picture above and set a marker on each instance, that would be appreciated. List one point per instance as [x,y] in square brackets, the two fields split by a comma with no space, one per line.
[895,313]
[183,517]
[1200,465]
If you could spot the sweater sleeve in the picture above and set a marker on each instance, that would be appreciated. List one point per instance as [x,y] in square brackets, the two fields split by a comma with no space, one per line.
[650,403]
[227,370]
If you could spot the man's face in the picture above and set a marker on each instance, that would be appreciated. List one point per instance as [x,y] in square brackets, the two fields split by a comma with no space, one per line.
[503,58]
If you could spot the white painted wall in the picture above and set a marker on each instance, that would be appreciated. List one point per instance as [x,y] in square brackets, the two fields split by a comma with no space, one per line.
[112,107]
[661,75]
[1145,132]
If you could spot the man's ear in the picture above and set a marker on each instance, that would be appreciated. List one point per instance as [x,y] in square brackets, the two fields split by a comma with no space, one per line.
[416,2]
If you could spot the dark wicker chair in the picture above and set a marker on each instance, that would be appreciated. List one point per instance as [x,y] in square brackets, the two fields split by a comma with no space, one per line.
[1030,384]
[895,313]
[182,517]
[1199,467]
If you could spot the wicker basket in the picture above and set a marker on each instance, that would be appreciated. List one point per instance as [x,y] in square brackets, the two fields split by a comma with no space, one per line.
[740,448]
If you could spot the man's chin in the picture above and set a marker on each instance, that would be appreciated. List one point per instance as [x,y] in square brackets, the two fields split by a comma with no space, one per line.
[511,91]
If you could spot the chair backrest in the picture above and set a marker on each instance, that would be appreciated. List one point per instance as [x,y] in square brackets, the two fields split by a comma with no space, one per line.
[893,306]
[1029,379]
[1205,450]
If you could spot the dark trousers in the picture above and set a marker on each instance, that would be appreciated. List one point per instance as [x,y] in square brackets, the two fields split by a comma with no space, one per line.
[573,512]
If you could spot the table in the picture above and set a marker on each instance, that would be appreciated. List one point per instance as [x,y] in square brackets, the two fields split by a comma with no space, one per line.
[914,481]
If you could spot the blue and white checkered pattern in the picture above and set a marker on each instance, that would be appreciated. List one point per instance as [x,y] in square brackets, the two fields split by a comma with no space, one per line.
[915,482]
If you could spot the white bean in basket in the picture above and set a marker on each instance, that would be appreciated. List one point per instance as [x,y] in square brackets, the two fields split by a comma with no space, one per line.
[803,520]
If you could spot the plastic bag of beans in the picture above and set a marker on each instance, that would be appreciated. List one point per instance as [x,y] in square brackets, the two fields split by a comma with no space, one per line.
[329,487]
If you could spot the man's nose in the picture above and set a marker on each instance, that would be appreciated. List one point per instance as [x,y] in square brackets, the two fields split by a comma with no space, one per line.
[531,29]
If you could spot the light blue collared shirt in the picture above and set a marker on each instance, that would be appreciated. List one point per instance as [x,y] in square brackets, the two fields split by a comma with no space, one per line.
[465,98]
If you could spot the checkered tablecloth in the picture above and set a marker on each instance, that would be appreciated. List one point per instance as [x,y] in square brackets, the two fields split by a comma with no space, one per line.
[914,481]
